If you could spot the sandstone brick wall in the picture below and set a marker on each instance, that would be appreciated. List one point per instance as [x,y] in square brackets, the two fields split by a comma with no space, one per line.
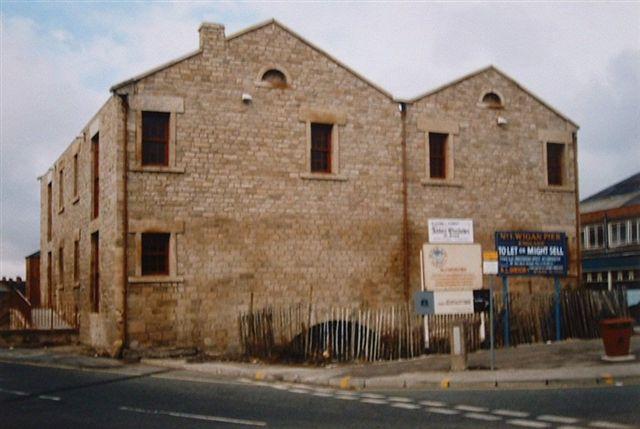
[499,171]
[73,221]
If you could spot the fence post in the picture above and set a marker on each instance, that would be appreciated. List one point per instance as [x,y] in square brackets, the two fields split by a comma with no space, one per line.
[556,282]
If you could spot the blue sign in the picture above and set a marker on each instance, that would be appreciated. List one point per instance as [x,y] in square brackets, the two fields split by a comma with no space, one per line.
[424,302]
[633,302]
[537,253]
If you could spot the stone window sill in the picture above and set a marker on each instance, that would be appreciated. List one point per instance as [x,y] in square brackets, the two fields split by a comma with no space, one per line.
[157,169]
[441,182]
[563,189]
[321,176]
[76,199]
[156,279]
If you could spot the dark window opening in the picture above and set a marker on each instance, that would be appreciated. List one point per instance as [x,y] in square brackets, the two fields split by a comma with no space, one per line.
[49,280]
[75,175]
[76,260]
[555,159]
[155,138]
[61,189]
[95,272]
[61,267]
[155,254]
[437,155]
[49,211]
[491,99]
[95,144]
[321,148]
[275,77]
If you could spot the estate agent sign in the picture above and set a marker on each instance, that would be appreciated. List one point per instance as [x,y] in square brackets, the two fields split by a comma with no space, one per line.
[532,253]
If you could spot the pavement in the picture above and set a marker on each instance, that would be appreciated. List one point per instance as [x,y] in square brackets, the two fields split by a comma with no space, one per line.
[560,364]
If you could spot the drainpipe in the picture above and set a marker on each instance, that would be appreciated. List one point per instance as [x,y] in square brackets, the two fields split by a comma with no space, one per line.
[125,217]
[574,137]
[405,211]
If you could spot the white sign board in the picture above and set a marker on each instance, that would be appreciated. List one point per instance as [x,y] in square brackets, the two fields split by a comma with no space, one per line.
[490,267]
[450,231]
[452,266]
[453,302]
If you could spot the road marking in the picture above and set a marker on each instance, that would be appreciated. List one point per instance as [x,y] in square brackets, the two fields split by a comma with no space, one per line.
[471,408]
[14,392]
[298,391]
[399,399]
[322,394]
[510,413]
[374,401]
[608,425]
[557,419]
[433,403]
[346,397]
[405,406]
[323,390]
[195,416]
[528,423]
[443,411]
[372,396]
[570,427]
[486,417]
[281,386]
[49,397]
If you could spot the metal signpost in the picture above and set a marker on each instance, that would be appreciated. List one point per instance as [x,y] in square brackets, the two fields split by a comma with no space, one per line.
[531,253]
[490,267]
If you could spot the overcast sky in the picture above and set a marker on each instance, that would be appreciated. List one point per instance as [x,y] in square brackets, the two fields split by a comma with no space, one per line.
[58,61]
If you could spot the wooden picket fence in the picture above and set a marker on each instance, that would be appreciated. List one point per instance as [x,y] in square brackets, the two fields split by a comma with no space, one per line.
[307,333]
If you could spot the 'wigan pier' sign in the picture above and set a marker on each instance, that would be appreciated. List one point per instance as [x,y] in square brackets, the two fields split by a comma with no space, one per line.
[522,253]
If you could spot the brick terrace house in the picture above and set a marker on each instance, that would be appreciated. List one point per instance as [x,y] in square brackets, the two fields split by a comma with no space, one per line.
[261,169]
[610,222]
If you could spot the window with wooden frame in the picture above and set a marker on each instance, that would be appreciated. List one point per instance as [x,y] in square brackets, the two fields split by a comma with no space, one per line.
[437,155]
[593,236]
[95,273]
[61,267]
[321,148]
[555,164]
[155,254]
[49,210]
[95,146]
[155,138]
[75,175]
[76,260]
[49,279]
[61,189]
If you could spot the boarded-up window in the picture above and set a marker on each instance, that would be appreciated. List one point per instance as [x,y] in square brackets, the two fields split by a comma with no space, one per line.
[155,254]
[155,138]
[95,272]
[321,148]
[437,155]
[95,145]
[555,161]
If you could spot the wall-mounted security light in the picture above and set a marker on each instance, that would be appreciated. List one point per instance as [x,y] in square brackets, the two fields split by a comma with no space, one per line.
[502,120]
[246,98]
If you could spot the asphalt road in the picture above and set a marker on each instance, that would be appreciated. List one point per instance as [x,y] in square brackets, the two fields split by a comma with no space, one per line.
[144,397]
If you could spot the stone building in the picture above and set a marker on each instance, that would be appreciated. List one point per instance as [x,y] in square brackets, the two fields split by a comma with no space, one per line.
[260,170]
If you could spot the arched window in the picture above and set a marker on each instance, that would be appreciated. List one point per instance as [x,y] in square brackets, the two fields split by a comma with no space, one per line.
[492,100]
[275,77]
